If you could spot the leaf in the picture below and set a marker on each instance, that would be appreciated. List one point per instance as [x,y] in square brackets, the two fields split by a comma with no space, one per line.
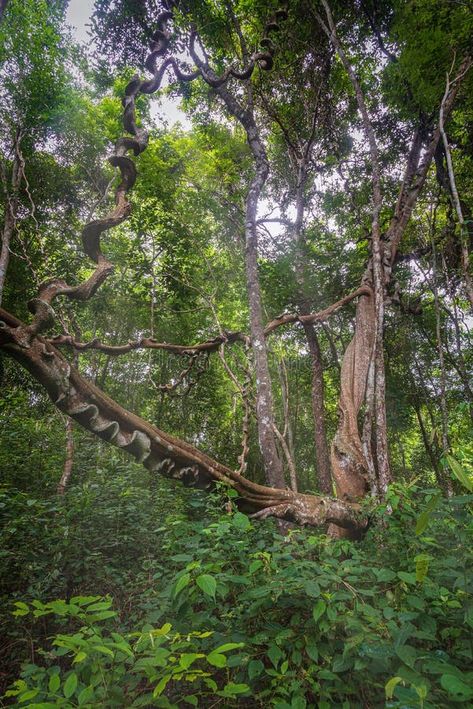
[79,657]
[254,566]
[54,683]
[232,688]
[86,695]
[391,686]
[22,609]
[312,588]
[228,646]
[424,518]
[217,660]
[103,615]
[255,669]
[104,650]
[28,695]
[208,584]
[422,566]
[408,654]
[161,686]
[455,687]
[181,584]
[188,658]
[103,605]
[318,610]
[385,575]
[459,472]
[275,654]
[241,521]
[406,577]
[70,685]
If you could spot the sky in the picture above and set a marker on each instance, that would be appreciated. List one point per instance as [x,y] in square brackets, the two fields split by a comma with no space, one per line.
[78,16]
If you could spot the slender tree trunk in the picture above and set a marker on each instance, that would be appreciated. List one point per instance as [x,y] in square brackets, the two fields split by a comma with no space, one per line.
[69,462]
[428,448]
[264,397]
[3,7]
[273,467]
[11,207]
[322,457]
[465,256]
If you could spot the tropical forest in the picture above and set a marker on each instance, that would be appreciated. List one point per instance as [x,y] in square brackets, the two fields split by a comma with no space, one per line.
[236,364]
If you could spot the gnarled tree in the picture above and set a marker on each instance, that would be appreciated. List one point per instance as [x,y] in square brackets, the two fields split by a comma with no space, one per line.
[359,460]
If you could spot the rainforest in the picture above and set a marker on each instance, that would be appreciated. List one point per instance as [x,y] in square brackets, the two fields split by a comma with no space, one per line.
[236,391]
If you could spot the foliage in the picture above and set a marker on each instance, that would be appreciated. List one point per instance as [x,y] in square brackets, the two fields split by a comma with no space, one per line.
[304,621]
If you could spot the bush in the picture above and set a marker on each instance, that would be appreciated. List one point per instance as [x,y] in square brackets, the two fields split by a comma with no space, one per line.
[305,621]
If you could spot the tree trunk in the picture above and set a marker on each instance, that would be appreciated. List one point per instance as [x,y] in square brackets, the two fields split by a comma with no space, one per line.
[264,398]
[322,456]
[273,467]
[11,207]
[3,7]
[69,462]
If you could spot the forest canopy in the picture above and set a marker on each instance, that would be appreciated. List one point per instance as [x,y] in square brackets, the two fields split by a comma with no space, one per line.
[269,302]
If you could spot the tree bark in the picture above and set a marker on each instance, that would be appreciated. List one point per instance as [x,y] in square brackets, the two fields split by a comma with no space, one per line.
[3,7]
[11,207]
[69,462]
[273,467]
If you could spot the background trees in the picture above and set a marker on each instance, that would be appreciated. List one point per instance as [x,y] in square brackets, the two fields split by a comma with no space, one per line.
[264,212]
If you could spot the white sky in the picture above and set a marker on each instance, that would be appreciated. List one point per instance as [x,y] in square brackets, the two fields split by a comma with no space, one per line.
[78,16]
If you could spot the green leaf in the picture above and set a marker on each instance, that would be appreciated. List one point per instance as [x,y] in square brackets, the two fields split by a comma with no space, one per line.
[424,518]
[255,669]
[228,646]
[104,650]
[391,686]
[161,686]
[217,660]
[422,566]
[232,688]
[70,685]
[318,610]
[79,657]
[408,654]
[459,472]
[188,658]
[86,695]
[456,687]
[275,654]
[406,577]
[207,584]
[54,683]
[241,521]
[181,584]
[102,615]
[103,605]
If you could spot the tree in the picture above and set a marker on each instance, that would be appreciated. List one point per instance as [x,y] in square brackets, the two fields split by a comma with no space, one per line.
[359,460]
